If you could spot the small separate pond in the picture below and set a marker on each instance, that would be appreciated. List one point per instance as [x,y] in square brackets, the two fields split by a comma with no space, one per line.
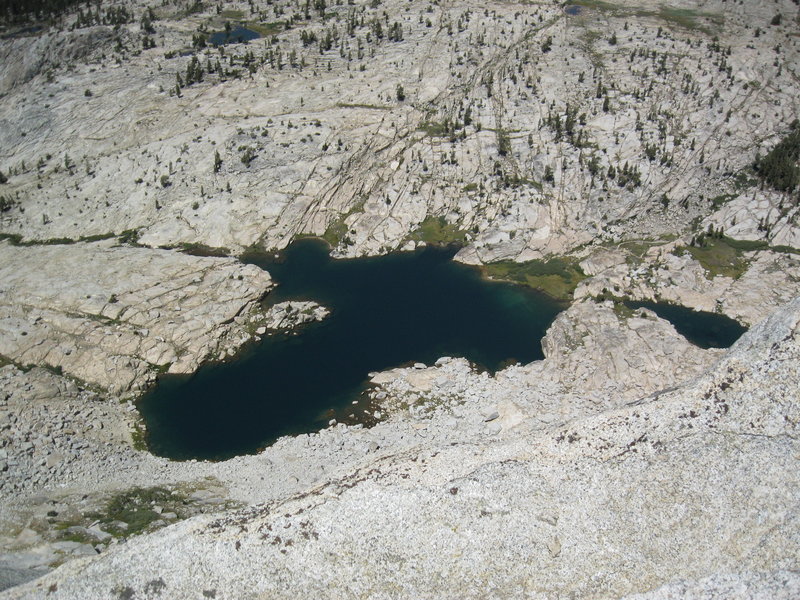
[703,329]
[573,10]
[236,35]
[386,312]
[31,30]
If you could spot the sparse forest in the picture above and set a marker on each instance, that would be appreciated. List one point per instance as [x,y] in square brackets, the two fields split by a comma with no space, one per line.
[20,11]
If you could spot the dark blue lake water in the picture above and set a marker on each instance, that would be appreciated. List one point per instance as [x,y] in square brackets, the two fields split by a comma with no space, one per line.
[386,312]
[237,35]
[704,329]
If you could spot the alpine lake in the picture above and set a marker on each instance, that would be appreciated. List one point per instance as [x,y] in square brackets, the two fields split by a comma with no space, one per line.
[387,311]
[235,35]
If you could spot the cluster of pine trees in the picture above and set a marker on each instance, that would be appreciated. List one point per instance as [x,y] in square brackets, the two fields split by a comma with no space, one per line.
[779,168]
[627,176]
[567,126]
[115,15]
[5,203]
[194,74]
[31,11]
[703,240]
[21,11]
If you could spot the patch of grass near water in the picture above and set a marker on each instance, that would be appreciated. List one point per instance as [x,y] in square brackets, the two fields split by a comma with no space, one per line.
[336,232]
[595,4]
[722,256]
[232,14]
[437,231]
[684,18]
[556,277]
[139,437]
[688,18]
[265,29]
[195,249]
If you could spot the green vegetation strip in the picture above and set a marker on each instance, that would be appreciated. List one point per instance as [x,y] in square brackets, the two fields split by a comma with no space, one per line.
[595,4]
[232,14]
[556,277]
[370,106]
[678,17]
[197,249]
[129,236]
[724,255]
[265,29]
[438,232]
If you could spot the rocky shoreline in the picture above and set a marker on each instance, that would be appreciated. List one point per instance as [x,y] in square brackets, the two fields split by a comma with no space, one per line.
[114,316]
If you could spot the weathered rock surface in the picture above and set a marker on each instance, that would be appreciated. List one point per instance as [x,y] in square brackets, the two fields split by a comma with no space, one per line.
[51,430]
[667,495]
[112,315]
[780,585]
[521,125]
[291,314]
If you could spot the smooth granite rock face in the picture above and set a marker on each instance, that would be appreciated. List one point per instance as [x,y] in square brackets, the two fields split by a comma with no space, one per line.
[111,316]
[673,495]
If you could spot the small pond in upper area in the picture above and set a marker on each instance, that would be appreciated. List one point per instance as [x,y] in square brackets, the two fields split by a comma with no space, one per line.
[703,329]
[386,312]
[30,30]
[573,9]
[236,35]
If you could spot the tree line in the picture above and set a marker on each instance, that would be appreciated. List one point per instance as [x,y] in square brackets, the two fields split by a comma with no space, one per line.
[20,11]
[779,168]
